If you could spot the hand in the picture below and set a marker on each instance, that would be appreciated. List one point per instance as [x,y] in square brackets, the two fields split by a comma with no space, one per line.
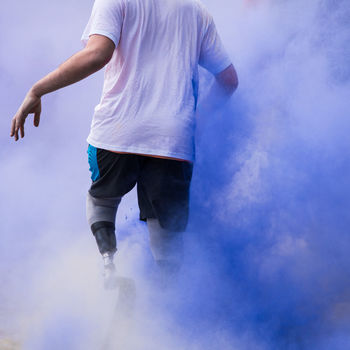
[31,104]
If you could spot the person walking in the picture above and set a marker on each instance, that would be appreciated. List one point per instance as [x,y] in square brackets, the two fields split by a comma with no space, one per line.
[142,131]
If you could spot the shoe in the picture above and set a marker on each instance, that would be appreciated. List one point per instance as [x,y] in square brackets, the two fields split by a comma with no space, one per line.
[110,277]
[109,274]
[168,273]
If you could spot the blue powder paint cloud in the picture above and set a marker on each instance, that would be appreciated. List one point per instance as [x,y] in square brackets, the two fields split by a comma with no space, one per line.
[267,256]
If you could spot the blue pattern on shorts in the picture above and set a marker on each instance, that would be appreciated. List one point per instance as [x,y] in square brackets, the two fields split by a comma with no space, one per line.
[95,171]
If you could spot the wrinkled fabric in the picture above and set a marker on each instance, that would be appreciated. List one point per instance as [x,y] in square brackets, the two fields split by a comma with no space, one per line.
[151,83]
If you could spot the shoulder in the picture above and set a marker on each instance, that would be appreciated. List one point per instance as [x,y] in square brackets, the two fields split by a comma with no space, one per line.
[201,8]
[195,5]
[204,16]
[112,4]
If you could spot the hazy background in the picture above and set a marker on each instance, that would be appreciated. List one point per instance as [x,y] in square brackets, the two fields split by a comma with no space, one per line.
[267,261]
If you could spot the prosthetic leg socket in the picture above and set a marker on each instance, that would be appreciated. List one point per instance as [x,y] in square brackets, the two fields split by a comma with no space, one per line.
[104,233]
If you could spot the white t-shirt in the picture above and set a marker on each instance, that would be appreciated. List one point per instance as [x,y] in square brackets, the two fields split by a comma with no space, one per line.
[151,83]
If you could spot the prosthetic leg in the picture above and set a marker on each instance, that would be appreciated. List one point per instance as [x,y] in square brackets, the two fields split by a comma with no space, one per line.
[101,213]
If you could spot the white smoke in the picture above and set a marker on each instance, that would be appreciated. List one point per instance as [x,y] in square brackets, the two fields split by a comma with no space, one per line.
[266,263]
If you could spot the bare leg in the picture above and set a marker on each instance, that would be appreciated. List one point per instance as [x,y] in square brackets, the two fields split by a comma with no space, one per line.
[167,247]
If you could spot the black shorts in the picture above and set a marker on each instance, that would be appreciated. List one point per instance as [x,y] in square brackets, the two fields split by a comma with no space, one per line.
[162,184]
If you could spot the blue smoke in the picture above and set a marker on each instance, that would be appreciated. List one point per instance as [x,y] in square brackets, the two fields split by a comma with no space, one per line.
[271,187]
[267,246]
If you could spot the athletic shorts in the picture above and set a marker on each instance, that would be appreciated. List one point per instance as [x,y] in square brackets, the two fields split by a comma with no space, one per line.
[162,184]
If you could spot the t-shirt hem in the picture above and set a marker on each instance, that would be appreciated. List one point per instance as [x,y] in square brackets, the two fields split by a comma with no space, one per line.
[85,38]
[139,150]
[225,64]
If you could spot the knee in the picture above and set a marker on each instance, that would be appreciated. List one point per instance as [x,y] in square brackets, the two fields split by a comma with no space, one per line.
[112,202]
[101,209]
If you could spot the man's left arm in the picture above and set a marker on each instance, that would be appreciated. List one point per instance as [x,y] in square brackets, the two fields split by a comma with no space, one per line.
[93,57]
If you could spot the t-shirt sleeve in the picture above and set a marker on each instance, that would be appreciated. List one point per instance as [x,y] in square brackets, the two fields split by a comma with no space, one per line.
[213,55]
[106,19]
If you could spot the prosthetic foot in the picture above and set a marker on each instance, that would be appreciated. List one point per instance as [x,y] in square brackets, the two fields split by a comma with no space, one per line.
[104,233]
[109,274]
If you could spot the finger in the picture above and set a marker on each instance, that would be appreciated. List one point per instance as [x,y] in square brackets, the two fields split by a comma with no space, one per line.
[19,125]
[37,117]
[21,129]
[16,131]
[13,125]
